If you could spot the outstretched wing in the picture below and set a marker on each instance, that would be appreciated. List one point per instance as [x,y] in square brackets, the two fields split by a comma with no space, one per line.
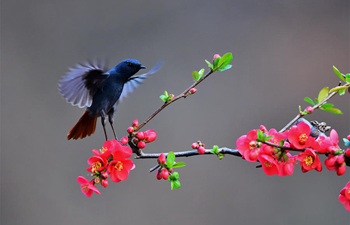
[135,81]
[80,83]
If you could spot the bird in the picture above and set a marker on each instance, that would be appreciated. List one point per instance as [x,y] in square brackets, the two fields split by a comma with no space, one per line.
[99,91]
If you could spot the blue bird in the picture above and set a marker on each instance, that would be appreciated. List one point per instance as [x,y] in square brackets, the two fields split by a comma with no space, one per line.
[92,87]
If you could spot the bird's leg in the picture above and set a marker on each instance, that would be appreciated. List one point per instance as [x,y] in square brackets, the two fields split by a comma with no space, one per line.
[103,121]
[111,120]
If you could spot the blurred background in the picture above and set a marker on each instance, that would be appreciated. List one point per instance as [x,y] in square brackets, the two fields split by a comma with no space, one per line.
[283,51]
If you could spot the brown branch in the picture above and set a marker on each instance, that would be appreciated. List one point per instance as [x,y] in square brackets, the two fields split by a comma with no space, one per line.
[182,95]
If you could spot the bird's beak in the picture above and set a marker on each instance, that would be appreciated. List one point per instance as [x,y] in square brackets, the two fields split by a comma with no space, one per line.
[142,67]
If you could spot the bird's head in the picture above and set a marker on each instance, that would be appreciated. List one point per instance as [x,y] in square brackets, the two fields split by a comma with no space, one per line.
[128,67]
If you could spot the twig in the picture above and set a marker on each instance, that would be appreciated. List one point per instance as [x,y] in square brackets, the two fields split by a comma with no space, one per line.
[182,95]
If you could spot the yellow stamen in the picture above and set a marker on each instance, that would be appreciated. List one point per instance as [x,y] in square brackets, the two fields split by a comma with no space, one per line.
[95,166]
[309,160]
[267,164]
[118,166]
[85,187]
[302,139]
[103,150]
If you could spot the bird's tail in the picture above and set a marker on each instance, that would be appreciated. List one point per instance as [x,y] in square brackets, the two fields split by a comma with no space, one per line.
[84,127]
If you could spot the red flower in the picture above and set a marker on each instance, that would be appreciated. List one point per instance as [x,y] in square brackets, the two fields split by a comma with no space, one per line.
[269,164]
[150,135]
[247,146]
[299,136]
[309,160]
[344,196]
[106,150]
[120,167]
[87,187]
[322,144]
[287,166]
[97,163]
[336,163]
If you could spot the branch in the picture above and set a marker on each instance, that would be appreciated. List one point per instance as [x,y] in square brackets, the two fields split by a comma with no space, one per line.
[182,95]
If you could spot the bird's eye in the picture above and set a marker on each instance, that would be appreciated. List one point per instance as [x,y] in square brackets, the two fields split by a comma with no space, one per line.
[129,64]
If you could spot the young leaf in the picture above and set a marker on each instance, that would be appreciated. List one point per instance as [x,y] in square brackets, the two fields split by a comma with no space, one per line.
[300,109]
[338,88]
[225,68]
[268,138]
[221,156]
[216,62]
[327,105]
[323,94]
[333,110]
[166,93]
[225,60]
[179,164]
[176,184]
[336,71]
[195,75]
[260,135]
[163,97]
[175,176]
[170,158]
[347,78]
[316,100]
[201,73]
[341,92]
[209,65]
[309,100]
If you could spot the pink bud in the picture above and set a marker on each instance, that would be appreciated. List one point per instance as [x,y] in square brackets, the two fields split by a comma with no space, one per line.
[130,130]
[158,175]
[135,141]
[165,173]
[193,90]
[201,150]
[263,129]
[340,159]
[104,174]
[215,56]
[150,135]
[195,145]
[330,161]
[309,109]
[135,123]
[172,96]
[161,159]
[347,152]
[104,183]
[124,140]
[348,137]
[341,170]
[97,180]
[140,135]
[141,144]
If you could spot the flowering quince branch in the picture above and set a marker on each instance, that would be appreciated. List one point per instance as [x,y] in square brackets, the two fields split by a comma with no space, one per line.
[269,147]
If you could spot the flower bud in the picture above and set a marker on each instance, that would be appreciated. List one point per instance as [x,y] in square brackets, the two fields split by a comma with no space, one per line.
[135,141]
[124,140]
[341,170]
[104,174]
[263,129]
[104,183]
[201,150]
[195,145]
[130,130]
[215,56]
[172,96]
[140,135]
[150,135]
[141,144]
[135,123]
[192,91]
[165,173]
[158,175]
[97,180]
[161,159]
[309,109]
[347,152]
[340,159]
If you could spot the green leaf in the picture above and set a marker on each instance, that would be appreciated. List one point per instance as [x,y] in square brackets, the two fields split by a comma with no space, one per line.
[336,71]
[209,65]
[327,105]
[164,98]
[216,62]
[333,110]
[300,110]
[168,165]
[221,156]
[166,93]
[170,158]
[338,88]
[179,164]
[201,73]
[176,184]
[195,75]
[341,92]
[316,101]
[225,60]
[268,138]
[323,94]
[309,100]
[225,68]
[347,77]
[216,149]
[172,185]
[260,135]
[175,176]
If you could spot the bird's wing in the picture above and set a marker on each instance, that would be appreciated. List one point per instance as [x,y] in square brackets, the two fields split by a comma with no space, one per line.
[135,81]
[80,83]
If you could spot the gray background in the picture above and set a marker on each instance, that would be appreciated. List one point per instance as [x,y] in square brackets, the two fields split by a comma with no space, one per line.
[283,51]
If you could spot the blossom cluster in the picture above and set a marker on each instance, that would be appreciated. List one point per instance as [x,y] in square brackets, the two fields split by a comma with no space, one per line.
[112,160]
[139,138]
[273,150]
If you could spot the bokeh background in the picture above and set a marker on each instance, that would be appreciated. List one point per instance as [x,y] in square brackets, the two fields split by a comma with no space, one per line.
[283,51]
